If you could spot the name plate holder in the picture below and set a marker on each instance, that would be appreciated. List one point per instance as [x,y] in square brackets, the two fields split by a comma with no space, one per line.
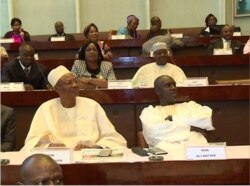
[206,152]
[114,37]
[196,82]
[223,51]
[12,87]
[177,35]
[120,84]
[61,155]
[7,40]
[237,34]
[55,39]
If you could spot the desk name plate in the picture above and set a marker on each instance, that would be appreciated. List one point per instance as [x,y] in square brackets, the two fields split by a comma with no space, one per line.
[120,84]
[12,87]
[59,154]
[206,152]
[196,82]
[55,39]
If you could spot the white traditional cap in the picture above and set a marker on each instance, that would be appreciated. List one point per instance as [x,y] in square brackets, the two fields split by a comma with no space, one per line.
[159,46]
[56,74]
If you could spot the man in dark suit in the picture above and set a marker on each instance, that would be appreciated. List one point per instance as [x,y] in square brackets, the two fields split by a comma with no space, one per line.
[226,42]
[8,129]
[26,70]
[59,27]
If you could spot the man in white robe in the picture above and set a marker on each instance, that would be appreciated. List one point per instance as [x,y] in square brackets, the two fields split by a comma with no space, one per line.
[146,74]
[170,123]
[71,121]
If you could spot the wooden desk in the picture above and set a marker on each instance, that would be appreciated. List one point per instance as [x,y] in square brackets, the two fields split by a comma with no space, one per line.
[232,171]
[230,106]
[226,67]
[127,47]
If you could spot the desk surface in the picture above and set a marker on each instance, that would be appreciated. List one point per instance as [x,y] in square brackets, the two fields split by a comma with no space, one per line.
[137,170]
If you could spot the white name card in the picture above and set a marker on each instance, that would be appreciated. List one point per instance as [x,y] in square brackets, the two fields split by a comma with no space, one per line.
[237,34]
[7,40]
[223,51]
[12,87]
[210,152]
[120,84]
[118,37]
[196,82]
[178,35]
[55,39]
[59,154]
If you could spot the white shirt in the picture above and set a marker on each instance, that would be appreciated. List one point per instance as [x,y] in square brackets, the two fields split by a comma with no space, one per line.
[85,123]
[147,74]
[184,115]
[247,47]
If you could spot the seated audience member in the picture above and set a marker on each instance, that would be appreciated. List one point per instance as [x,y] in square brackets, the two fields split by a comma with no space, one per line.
[155,28]
[17,33]
[146,74]
[91,69]
[247,47]
[3,54]
[71,121]
[156,34]
[26,70]
[8,129]
[59,28]
[40,169]
[226,42]
[210,20]
[172,123]
[130,30]
[91,33]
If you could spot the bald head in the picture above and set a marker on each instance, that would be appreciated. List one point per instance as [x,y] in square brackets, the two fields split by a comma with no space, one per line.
[59,27]
[40,169]
[227,32]
[165,88]
[156,21]
[26,53]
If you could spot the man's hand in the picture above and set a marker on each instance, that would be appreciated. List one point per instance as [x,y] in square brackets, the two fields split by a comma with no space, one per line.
[28,87]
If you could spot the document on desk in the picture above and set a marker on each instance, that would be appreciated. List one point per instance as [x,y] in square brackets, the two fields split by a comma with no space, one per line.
[102,155]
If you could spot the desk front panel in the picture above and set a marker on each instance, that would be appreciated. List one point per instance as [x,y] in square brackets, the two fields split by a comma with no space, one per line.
[233,171]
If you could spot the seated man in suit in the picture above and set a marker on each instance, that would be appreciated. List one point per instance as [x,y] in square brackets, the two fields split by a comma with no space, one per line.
[146,74]
[71,121]
[59,27]
[25,69]
[226,42]
[156,34]
[155,29]
[8,129]
[40,169]
[170,123]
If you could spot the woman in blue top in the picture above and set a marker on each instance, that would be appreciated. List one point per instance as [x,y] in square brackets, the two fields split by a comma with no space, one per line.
[130,30]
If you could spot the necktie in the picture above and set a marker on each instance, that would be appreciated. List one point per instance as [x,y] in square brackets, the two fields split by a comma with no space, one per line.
[26,71]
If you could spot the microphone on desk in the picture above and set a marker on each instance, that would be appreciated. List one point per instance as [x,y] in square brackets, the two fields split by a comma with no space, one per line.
[44,77]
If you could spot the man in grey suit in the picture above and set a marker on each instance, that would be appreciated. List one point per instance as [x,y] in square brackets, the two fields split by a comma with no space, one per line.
[8,129]
[226,42]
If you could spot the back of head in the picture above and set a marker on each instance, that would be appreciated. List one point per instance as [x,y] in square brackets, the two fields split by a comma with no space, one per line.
[155,21]
[40,169]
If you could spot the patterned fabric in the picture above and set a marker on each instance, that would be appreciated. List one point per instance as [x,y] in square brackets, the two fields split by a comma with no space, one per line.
[79,69]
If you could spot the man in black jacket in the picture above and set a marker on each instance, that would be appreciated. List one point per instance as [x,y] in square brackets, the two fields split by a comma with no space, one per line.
[8,129]
[26,70]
